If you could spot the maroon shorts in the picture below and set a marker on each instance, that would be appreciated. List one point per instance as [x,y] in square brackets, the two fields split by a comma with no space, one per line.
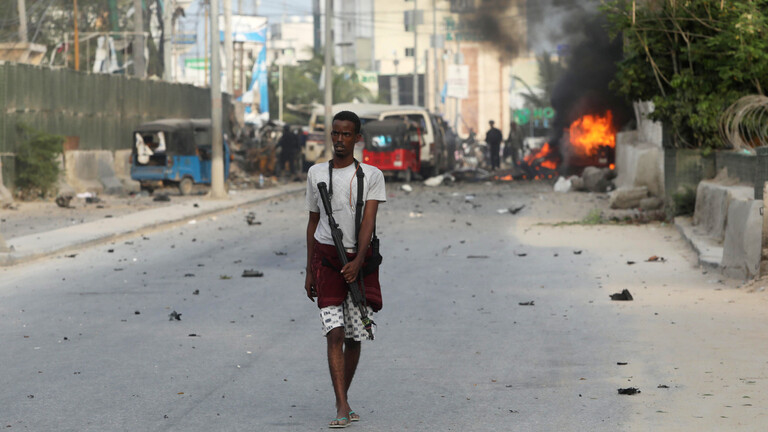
[331,286]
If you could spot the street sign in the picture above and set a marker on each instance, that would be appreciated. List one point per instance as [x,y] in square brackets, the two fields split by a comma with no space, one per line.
[457,80]
[185,38]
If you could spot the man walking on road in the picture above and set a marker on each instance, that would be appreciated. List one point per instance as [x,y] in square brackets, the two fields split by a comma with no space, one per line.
[493,138]
[326,279]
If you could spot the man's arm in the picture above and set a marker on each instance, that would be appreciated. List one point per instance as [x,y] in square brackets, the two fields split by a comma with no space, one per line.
[309,280]
[351,270]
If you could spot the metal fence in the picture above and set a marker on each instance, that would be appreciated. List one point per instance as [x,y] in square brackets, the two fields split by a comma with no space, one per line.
[101,110]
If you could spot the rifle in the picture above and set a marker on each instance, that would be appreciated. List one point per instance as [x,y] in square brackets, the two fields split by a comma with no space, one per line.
[354,287]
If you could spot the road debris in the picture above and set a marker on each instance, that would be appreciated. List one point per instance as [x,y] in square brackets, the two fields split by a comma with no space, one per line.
[252,273]
[577,252]
[622,363]
[280,253]
[63,201]
[196,292]
[434,181]
[528,303]
[629,391]
[225,277]
[250,218]
[624,295]
[630,262]
[174,316]
[477,256]
[655,258]
[662,386]
[406,188]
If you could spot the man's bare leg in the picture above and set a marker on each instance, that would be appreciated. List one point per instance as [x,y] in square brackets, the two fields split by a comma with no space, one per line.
[351,358]
[336,364]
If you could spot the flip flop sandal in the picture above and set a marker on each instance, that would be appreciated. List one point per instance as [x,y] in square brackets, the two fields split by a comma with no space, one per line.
[343,422]
[353,419]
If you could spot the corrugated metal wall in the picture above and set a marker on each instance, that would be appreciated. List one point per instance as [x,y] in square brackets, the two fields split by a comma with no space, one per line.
[100,109]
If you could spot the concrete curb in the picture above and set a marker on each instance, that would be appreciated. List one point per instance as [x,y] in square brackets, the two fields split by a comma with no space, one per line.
[39,245]
[710,252]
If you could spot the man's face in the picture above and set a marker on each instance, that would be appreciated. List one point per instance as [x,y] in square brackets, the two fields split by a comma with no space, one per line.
[344,138]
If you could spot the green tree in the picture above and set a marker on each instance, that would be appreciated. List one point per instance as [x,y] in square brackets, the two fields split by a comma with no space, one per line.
[692,59]
[302,87]
[37,167]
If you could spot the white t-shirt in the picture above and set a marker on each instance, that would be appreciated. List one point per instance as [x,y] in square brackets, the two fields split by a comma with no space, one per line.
[344,198]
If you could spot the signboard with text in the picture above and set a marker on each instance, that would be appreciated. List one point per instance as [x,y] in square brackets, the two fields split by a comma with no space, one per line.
[457,81]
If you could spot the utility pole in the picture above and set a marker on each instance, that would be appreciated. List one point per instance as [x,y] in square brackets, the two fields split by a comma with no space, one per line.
[77,39]
[23,21]
[138,39]
[436,86]
[228,48]
[167,40]
[217,160]
[415,56]
[328,75]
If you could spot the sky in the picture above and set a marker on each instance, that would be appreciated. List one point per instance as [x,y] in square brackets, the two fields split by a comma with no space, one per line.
[276,7]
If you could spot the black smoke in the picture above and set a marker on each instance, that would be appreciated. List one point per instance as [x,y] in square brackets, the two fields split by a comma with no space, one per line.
[492,21]
[584,87]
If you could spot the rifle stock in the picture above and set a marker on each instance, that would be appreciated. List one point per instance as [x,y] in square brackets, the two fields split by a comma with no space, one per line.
[337,235]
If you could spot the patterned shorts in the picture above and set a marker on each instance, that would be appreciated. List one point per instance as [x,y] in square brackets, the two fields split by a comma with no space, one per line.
[348,316]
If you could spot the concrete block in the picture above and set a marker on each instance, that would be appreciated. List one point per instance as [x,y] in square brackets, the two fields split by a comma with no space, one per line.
[743,234]
[628,197]
[639,163]
[122,170]
[5,194]
[651,203]
[712,200]
[91,171]
[596,179]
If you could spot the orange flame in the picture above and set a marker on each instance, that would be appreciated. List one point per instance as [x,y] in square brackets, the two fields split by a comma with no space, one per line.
[591,132]
[543,152]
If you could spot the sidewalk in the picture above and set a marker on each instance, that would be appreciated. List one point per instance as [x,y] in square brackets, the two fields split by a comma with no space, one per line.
[41,244]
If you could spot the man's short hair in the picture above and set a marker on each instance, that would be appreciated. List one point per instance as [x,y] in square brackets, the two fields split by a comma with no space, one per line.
[348,116]
[491,122]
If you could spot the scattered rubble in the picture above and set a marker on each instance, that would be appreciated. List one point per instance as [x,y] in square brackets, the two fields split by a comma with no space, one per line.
[252,273]
[63,201]
[174,316]
[629,391]
[250,218]
[528,303]
[655,258]
[624,295]
[627,197]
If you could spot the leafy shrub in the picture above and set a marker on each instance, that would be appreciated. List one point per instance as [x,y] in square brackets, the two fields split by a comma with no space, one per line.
[37,168]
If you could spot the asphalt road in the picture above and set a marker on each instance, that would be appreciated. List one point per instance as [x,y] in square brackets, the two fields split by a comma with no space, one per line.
[88,344]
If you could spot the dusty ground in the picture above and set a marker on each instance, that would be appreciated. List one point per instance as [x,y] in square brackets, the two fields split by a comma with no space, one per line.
[553,366]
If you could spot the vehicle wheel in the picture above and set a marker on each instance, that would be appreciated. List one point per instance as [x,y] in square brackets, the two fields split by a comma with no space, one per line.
[185,186]
[408,175]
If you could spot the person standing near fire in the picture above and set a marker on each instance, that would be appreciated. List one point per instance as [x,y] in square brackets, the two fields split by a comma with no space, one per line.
[326,279]
[493,138]
[514,145]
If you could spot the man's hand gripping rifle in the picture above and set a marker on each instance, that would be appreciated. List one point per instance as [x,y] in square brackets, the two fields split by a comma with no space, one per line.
[354,287]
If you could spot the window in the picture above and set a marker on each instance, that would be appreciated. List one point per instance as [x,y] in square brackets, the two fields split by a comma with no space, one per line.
[409,52]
